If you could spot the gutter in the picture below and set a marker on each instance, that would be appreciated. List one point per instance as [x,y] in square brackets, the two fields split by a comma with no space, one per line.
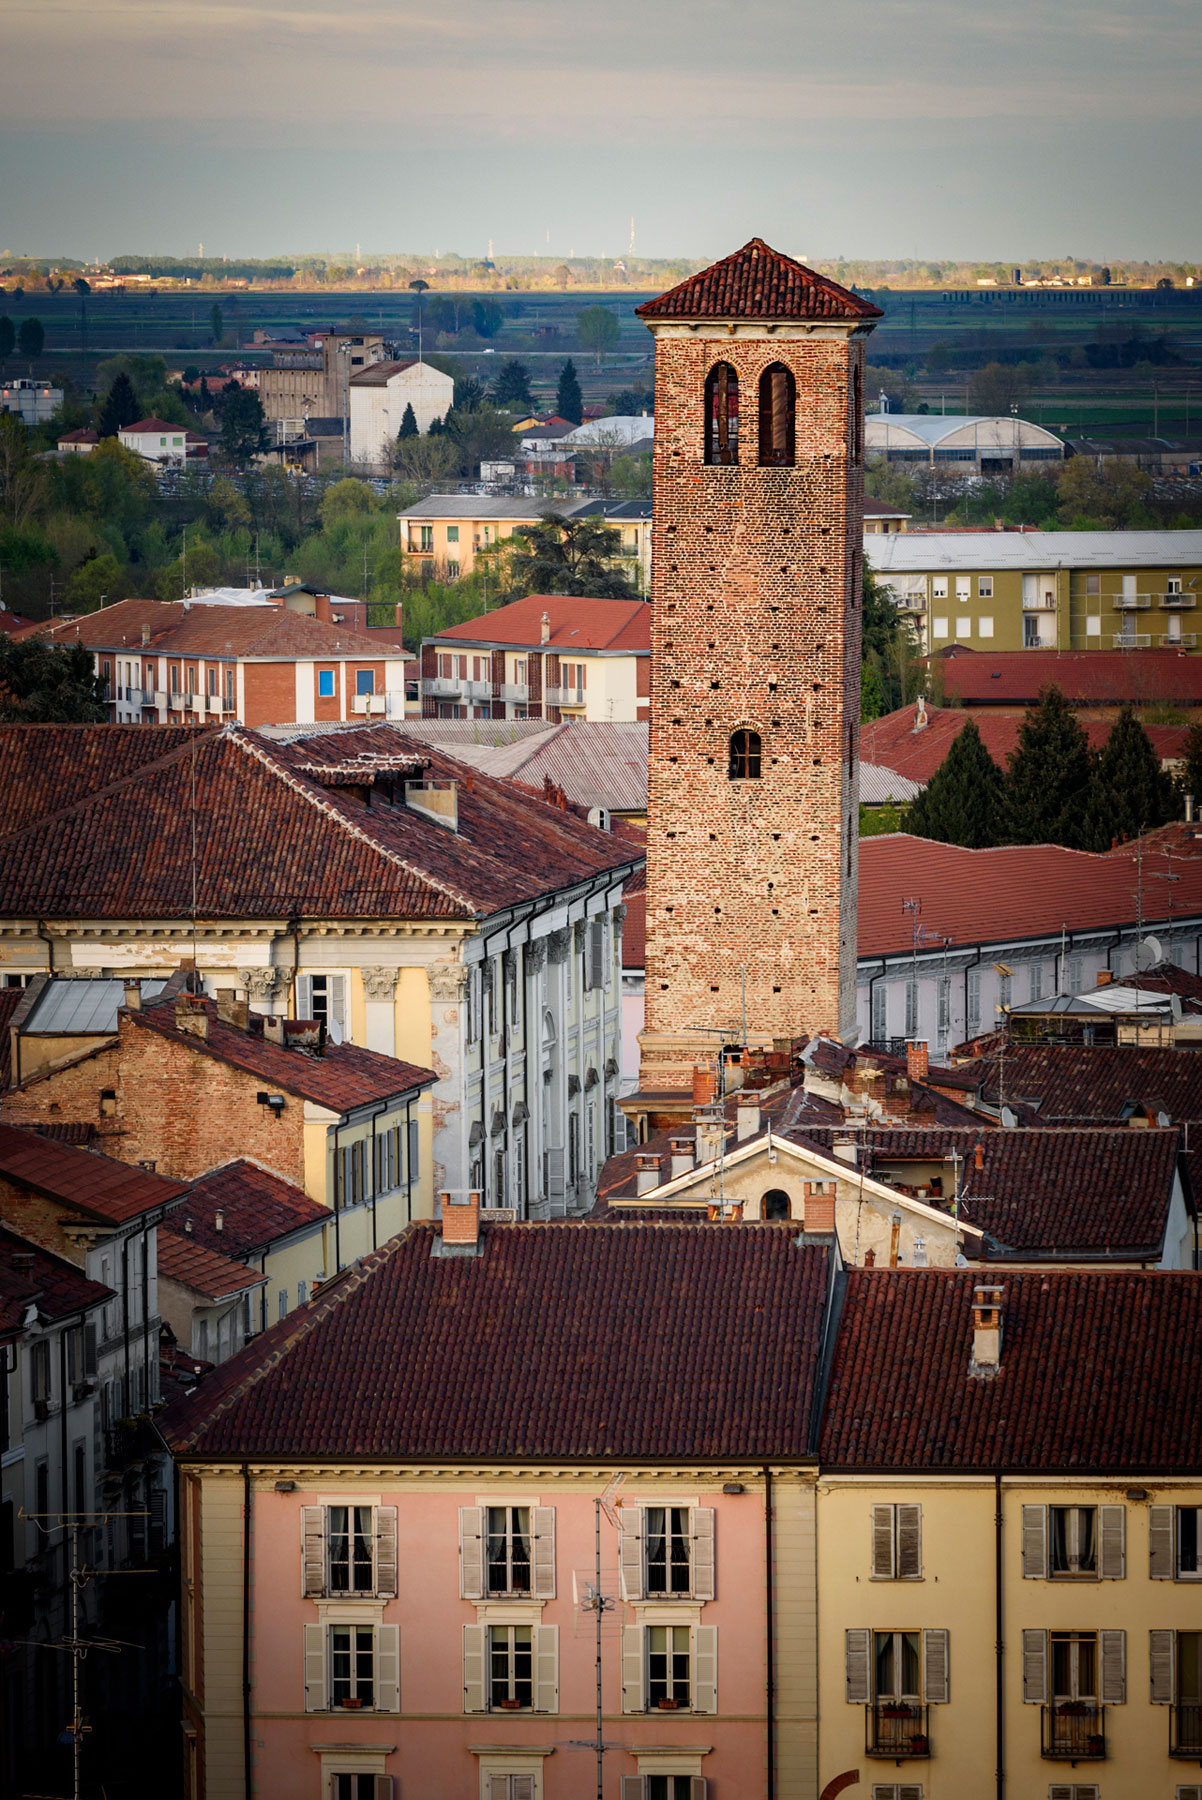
[999,1648]
[49,943]
[770,1639]
[247,1774]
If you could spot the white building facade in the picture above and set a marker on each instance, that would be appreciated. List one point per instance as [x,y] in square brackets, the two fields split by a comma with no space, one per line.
[377,398]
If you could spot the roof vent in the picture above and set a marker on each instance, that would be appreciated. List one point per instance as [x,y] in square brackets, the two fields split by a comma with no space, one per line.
[986,1359]
[544,629]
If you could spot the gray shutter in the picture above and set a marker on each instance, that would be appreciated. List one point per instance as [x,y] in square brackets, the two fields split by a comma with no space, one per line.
[909,1543]
[474,1642]
[1085,1790]
[313,1552]
[498,1787]
[542,1525]
[1035,1543]
[634,1787]
[857,1658]
[1035,1667]
[1060,1790]
[383,1787]
[703,1552]
[521,1787]
[471,1552]
[1112,1559]
[336,992]
[546,1668]
[697,1787]
[908,1790]
[632,1553]
[935,1671]
[304,997]
[89,1351]
[1160,1543]
[1162,1660]
[388,1668]
[632,1669]
[1114,1667]
[882,1543]
[315,1668]
[1193,1791]
[386,1552]
[705,1669]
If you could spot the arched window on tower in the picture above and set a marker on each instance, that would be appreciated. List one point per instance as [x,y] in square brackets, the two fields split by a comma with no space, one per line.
[722,415]
[778,402]
[745,755]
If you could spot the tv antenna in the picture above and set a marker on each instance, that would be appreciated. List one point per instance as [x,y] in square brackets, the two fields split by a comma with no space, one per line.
[592,1598]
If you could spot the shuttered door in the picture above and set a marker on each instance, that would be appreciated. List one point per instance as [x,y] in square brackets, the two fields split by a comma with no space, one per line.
[703,1552]
[1161,1663]
[1112,1561]
[1035,1667]
[313,1552]
[1160,1543]
[632,1553]
[632,1669]
[857,1653]
[315,1668]
[935,1673]
[388,1668]
[471,1552]
[882,1543]
[542,1520]
[1114,1667]
[705,1671]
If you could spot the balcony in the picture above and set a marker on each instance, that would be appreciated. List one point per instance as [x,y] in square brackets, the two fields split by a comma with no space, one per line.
[1184,640]
[444,687]
[1131,640]
[388,705]
[216,703]
[150,697]
[1185,1730]
[1133,602]
[565,696]
[1177,601]
[1045,603]
[517,691]
[1074,1731]
[897,1730]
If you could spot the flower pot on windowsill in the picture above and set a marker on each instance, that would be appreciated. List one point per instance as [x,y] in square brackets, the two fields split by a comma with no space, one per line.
[510,1705]
[918,1745]
[895,1712]
[351,1705]
[668,1705]
[1073,1709]
[1095,1746]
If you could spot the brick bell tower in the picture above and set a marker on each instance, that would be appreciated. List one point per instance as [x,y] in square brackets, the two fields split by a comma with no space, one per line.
[757,544]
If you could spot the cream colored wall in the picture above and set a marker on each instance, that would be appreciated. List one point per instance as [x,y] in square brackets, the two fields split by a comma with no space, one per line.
[219,1576]
[611,692]
[795,1566]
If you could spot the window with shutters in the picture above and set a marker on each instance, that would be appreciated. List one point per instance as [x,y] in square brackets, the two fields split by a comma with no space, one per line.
[1175,1543]
[667,1540]
[880,1012]
[595,965]
[667,1553]
[1073,1790]
[897,1543]
[1074,1543]
[349,1551]
[972,1017]
[512,1787]
[722,415]
[354,1785]
[510,1668]
[323,997]
[1072,1540]
[896,1676]
[778,400]
[352,1667]
[1175,1669]
[669,1667]
[897,1790]
[508,1552]
[1073,1676]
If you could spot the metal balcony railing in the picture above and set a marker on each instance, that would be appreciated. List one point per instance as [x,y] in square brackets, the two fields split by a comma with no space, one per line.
[447,687]
[896,1729]
[565,696]
[1177,600]
[1184,640]
[1185,1730]
[149,697]
[1074,1731]
[1133,602]
[515,690]
[1131,640]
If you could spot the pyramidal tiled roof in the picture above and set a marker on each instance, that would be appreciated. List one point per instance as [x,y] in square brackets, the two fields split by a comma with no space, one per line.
[757,282]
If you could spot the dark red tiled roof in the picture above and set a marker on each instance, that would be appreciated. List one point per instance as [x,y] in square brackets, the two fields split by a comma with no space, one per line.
[1072,1084]
[1084,677]
[576,624]
[205,1271]
[757,282]
[1098,1373]
[256,1208]
[892,742]
[58,1286]
[46,767]
[562,1340]
[83,1178]
[177,628]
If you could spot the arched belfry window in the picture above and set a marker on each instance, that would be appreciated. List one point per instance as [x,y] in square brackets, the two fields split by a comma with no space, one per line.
[778,403]
[722,415]
[745,755]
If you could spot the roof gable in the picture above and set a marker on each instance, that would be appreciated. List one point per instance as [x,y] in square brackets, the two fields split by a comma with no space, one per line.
[757,282]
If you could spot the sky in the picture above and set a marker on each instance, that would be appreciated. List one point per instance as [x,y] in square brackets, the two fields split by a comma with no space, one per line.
[892,128]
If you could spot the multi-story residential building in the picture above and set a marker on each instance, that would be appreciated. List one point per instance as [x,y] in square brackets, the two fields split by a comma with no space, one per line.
[1050,590]
[426,911]
[158,441]
[312,379]
[548,656]
[34,402]
[378,397]
[955,445]
[631,519]
[442,535]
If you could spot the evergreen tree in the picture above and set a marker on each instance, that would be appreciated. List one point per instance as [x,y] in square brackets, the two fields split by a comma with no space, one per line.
[47,684]
[1189,775]
[569,401]
[1131,792]
[965,800]
[408,423]
[243,433]
[30,338]
[569,556]
[8,336]
[1051,772]
[120,407]
[216,323]
[512,385]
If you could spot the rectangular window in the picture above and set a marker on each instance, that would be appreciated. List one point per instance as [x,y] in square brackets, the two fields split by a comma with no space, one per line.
[963,628]
[175,678]
[510,1668]
[963,587]
[938,587]
[911,1007]
[985,587]
[452,534]
[352,1664]
[972,1023]
[325,684]
[212,675]
[39,1369]
[365,681]
[427,537]
[1037,981]
[1173,585]
[1093,584]
[1175,1543]
[985,626]
[452,571]
[1074,1665]
[1073,976]
[508,1553]
[897,1665]
[897,1543]
[358,1787]
[323,997]
[349,1540]
[945,1011]
[669,1666]
[670,1787]
[667,1540]
[880,1012]
[1073,1540]
[191,681]
[938,628]
[1093,626]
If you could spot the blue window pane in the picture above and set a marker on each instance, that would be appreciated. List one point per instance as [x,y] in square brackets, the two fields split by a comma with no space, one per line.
[325,683]
[365,681]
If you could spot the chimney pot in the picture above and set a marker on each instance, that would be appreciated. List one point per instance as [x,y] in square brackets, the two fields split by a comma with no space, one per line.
[544,629]
[219,1220]
[683,1155]
[987,1307]
[1105,977]
[978,1157]
[646,1165]
[133,994]
[461,1218]
[747,1114]
[273,1029]
[1189,809]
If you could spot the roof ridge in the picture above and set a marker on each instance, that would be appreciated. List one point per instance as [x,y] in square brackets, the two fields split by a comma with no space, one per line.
[203,734]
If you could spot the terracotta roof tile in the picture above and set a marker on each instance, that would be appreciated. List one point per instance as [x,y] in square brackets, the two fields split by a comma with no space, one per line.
[893,743]
[576,624]
[178,629]
[757,282]
[82,1178]
[192,1265]
[45,767]
[257,1207]
[1084,677]
[58,1287]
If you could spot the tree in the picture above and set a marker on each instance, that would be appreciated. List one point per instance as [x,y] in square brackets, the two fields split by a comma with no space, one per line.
[216,323]
[511,387]
[897,388]
[888,647]
[1131,792]
[49,684]
[243,432]
[120,407]
[8,336]
[1103,498]
[569,556]
[24,483]
[1050,774]
[428,459]
[488,316]
[99,581]
[597,329]
[470,394]
[964,802]
[345,501]
[997,387]
[227,509]
[408,423]
[1189,773]
[31,338]
[569,401]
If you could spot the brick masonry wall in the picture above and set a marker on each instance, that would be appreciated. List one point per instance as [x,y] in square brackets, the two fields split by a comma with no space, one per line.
[755,622]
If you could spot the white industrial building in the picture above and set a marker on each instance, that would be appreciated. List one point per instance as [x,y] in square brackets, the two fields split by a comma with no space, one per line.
[960,445]
[33,401]
[377,397]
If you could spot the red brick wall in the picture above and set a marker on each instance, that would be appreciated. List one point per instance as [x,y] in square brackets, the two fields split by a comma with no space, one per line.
[270,694]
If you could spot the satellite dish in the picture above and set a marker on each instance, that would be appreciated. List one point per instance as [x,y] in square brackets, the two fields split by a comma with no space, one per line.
[1149,953]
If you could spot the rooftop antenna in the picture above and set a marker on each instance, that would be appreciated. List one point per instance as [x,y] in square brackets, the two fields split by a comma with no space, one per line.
[596,1601]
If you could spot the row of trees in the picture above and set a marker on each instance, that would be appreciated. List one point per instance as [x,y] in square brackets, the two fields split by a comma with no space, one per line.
[28,338]
[1077,495]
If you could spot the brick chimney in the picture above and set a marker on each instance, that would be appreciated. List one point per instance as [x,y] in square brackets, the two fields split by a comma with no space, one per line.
[544,629]
[917,1060]
[191,1016]
[683,1158]
[231,1010]
[461,1218]
[273,1029]
[133,994]
[986,1359]
[747,1113]
[646,1165]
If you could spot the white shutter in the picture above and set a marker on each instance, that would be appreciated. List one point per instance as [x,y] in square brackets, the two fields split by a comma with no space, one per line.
[474,1644]
[383,1787]
[1112,1560]
[1162,1660]
[909,1543]
[542,1524]
[882,1543]
[1035,1667]
[1160,1543]
[304,997]
[546,1668]
[1114,1667]
[935,1671]
[386,1552]
[634,1787]
[313,1552]
[857,1658]
[498,1787]
[388,1668]
[336,1023]
[521,1787]
[697,1787]
[1035,1543]
[315,1668]
[632,1669]
[705,1669]
[471,1552]
[703,1552]
[632,1553]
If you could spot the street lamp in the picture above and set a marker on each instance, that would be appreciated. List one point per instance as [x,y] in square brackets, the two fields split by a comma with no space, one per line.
[419,287]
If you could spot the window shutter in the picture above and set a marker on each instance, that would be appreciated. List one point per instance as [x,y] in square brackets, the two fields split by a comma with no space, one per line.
[857,1652]
[703,1552]
[315,1668]
[521,1787]
[596,953]
[383,1787]
[908,1790]
[336,990]
[1160,1543]
[1035,1666]
[1191,1792]
[388,1668]
[882,1543]
[304,996]
[498,1787]
[1161,1662]
[1114,1667]
[705,1669]
[634,1787]
[697,1787]
[909,1543]
[1035,1543]
[474,1637]
[542,1519]
[1061,1790]
[632,1553]
[935,1672]
[89,1350]
[471,1552]
[632,1669]
[1112,1561]
[546,1668]
[386,1552]
[1085,1790]
[313,1551]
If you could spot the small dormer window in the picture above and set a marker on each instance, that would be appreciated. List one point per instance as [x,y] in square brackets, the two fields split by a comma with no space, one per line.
[746,755]
[722,415]
[778,403]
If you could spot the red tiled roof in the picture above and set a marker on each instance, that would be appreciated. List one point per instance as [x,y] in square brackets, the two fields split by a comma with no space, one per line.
[192,1265]
[757,282]
[1084,677]
[892,742]
[1083,1085]
[82,1178]
[256,1208]
[1018,891]
[152,424]
[576,624]
[58,1287]
[12,624]
[575,1341]
[1098,1373]
[82,436]
[177,628]
[45,767]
